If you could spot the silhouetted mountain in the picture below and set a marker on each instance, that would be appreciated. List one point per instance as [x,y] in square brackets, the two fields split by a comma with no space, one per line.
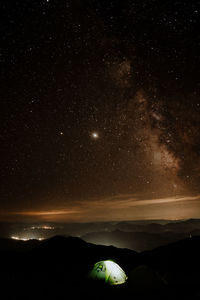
[73,250]
[138,241]
[179,229]
[144,236]
[181,256]
[11,245]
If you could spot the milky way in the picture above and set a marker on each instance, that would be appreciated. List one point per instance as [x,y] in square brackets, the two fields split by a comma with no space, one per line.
[100,100]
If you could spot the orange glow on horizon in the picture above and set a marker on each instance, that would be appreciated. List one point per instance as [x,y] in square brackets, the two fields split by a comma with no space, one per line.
[113,208]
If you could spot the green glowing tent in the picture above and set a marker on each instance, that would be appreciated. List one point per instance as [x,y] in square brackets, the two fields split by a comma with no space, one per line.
[109,271]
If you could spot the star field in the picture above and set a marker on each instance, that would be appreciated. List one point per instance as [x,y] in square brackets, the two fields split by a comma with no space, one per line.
[99,100]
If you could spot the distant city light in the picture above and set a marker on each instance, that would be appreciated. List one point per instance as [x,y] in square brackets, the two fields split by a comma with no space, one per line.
[47,227]
[17,238]
[43,227]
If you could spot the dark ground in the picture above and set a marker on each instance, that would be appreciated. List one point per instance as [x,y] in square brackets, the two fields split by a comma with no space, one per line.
[58,268]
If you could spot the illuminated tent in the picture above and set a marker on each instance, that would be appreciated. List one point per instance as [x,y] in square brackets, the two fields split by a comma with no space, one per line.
[109,271]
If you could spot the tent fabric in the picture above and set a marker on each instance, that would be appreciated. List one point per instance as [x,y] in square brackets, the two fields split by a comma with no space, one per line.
[109,271]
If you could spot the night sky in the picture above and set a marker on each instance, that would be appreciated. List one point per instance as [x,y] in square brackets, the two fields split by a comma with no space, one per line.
[100,109]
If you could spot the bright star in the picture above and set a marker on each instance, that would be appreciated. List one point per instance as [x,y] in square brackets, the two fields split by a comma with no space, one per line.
[95,135]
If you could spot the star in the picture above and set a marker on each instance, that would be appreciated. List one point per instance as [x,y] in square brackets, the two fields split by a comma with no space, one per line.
[95,135]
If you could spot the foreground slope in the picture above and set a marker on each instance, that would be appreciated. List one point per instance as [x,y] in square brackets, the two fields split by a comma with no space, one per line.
[59,268]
